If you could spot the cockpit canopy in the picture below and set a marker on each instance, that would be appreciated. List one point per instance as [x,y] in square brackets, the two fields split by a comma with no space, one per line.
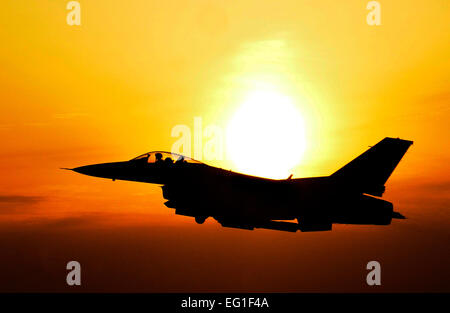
[158,156]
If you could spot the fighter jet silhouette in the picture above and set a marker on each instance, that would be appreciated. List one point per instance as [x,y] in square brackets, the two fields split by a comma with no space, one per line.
[192,188]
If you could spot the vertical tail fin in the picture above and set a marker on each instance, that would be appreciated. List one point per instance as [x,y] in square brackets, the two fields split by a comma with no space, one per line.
[370,171]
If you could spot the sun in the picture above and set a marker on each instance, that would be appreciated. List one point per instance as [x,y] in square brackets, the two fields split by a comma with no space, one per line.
[266,136]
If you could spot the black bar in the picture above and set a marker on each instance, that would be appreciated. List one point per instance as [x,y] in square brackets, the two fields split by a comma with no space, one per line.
[225,302]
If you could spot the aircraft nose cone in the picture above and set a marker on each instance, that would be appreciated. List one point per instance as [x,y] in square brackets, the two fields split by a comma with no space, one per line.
[91,170]
[104,170]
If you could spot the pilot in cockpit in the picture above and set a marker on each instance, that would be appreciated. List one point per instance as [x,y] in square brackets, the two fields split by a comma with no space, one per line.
[168,161]
[158,157]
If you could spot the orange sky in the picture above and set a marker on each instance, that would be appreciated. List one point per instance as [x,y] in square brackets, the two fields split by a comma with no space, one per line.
[115,86]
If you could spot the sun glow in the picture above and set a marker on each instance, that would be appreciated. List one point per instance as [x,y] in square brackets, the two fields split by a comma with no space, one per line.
[266,136]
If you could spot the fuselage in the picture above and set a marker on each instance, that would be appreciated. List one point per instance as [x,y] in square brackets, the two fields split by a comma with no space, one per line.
[197,189]
[350,195]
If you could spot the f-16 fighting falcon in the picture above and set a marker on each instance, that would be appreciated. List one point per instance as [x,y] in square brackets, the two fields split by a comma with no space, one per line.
[351,195]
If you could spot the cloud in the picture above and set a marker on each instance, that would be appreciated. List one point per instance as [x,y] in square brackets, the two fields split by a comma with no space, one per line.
[19,199]
[12,204]
[85,219]
[441,187]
